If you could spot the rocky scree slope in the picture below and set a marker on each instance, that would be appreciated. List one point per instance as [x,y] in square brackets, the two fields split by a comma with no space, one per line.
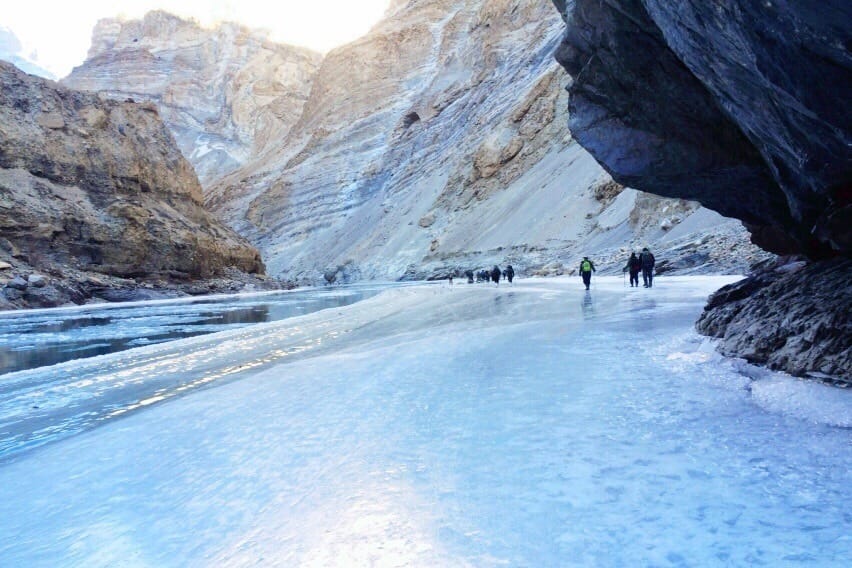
[741,107]
[438,143]
[95,190]
[225,93]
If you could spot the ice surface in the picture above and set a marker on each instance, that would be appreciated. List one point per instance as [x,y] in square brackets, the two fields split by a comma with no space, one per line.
[43,404]
[535,425]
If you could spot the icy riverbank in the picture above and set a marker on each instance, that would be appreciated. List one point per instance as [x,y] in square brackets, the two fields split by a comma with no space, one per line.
[532,425]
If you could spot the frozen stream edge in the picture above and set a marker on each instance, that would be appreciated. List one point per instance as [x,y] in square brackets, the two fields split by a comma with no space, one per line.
[532,425]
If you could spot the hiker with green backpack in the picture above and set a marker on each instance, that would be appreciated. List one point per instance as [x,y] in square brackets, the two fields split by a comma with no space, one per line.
[586,269]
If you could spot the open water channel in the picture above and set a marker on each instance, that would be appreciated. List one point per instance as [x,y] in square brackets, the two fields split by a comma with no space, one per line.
[36,338]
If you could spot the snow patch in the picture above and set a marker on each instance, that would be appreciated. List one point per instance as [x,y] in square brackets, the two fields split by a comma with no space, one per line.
[807,400]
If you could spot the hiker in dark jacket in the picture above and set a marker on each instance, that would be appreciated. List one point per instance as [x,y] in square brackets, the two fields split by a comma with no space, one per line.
[510,273]
[586,269]
[647,260]
[634,265]
[469,274]
[495,274]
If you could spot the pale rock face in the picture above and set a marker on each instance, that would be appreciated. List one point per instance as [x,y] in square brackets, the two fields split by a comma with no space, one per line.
[437,143]
[225,93]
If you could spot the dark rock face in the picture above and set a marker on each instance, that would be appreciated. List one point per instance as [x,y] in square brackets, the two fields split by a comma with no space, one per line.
[778,317]
[741,105]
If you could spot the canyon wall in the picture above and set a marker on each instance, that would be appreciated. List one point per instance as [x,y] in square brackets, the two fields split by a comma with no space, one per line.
[225,93]
[439,142]
[98,186]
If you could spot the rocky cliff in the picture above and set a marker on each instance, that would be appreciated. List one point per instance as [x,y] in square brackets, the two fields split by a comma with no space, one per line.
[439,142]
[225,93]
[742,107]
[98,187]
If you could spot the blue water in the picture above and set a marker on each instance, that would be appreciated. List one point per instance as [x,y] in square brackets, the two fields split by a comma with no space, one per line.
[35,338]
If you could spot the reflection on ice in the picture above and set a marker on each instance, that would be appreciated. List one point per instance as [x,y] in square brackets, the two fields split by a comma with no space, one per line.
[433,426]
[588,305]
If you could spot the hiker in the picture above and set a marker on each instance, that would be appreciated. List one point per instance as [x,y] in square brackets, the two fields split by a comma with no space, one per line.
[469,274]
[450,278]
[634,265]
[586,269]
[647,261]
[495,274]
[510,273]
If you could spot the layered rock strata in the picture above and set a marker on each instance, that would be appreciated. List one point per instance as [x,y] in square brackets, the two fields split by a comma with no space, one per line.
[743,108]
[98,186]
[225,93]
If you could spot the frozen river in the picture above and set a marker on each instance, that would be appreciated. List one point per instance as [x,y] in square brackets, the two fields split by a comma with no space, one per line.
[427,426]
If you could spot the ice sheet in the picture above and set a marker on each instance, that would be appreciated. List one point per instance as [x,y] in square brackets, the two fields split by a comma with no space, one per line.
[529,426]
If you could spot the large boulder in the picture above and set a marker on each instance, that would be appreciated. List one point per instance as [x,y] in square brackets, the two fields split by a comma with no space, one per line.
[778,317]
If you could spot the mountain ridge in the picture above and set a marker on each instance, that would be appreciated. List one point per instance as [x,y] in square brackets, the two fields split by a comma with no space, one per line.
[225,92]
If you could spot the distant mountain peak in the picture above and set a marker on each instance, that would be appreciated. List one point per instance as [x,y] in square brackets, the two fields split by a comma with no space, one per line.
[224,91]
[12,50]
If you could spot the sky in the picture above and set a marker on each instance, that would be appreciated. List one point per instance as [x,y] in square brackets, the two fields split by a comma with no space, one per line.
[56,34]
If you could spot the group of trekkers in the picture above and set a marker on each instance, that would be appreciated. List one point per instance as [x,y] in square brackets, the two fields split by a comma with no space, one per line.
[643,263]
[492,275]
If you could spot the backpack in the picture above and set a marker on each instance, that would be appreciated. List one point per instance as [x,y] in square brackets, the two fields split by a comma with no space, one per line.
[586,266]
